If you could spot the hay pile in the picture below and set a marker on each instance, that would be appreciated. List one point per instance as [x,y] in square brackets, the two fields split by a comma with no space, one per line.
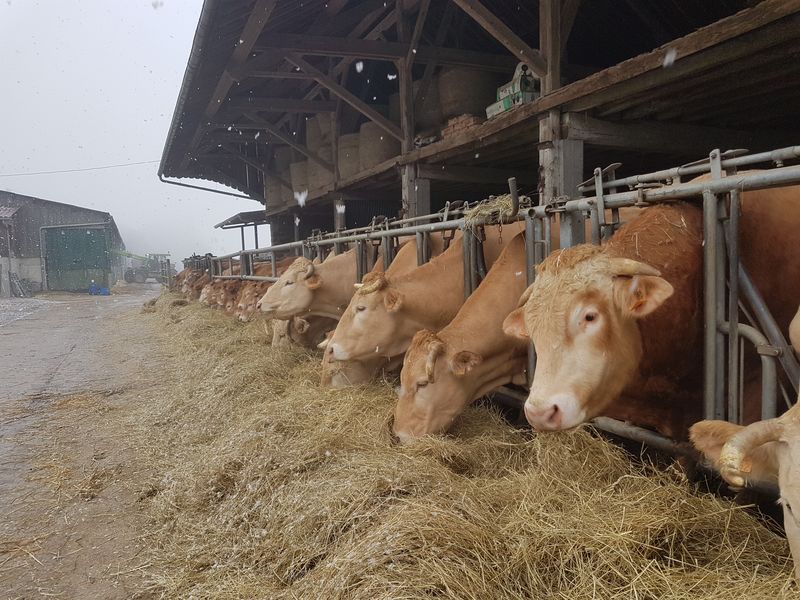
[275,488]
[495,207]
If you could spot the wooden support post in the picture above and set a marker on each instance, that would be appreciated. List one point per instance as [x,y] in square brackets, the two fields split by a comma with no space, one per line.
[560,160]
[416,192]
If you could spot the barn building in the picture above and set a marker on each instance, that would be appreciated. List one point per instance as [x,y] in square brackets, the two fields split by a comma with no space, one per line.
[328,112]
[46,245]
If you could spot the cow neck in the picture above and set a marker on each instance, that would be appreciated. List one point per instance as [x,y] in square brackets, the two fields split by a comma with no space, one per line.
[478,326]
[497,370]
[670,240]
[333,296]
[432,293]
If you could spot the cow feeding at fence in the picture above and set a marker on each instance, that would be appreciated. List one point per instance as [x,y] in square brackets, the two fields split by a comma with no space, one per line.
[709,237]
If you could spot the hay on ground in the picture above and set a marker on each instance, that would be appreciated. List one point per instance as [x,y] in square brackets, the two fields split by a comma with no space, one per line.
[272,487]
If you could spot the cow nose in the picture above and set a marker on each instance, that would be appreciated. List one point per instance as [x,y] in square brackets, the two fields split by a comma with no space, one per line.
[258,305]
[547,418]
[338,352]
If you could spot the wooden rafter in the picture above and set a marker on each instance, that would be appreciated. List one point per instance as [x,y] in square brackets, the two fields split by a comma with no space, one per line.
[282,105]
[569,10]
[346,95]
[287,139]
[380,50]
[503,34]
[252,29]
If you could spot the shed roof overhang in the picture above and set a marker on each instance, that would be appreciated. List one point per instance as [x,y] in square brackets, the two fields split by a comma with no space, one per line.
[717,80]
[243,219]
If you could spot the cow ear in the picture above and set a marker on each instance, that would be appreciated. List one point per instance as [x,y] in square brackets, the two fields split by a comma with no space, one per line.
[514,324]
[392,300]
[313,282]
[301,325]
[463,362]
[640,295]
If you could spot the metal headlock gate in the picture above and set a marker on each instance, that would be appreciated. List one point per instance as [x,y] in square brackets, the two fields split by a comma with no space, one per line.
[727,285]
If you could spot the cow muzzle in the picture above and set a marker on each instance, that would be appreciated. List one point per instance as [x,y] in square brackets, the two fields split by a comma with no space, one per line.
[556,413]
[338,352]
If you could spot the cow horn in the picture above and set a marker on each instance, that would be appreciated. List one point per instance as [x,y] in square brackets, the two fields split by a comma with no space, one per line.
[434,351]
[358,286]
[309,270]
[377,283]
[629,267]
[732,458]
[525,296]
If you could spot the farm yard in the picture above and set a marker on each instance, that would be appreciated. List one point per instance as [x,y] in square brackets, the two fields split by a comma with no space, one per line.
[228,472]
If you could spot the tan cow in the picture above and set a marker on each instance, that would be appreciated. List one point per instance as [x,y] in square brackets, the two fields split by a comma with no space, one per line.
[340,374]
[600,330]
[308,288]
[442,373]
[794,332]
[387,311]
[763,452]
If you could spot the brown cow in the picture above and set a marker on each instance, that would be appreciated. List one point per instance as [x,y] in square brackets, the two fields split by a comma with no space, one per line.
[794,332]
[387,311]
[442,373]
[600,330]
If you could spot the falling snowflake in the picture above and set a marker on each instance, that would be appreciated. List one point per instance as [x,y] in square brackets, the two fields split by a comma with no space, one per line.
[669,57]
[477,155]
[391,76]
[156,4]
[296,221]
[258,133]
[340,208]
[301,197]
[359,66]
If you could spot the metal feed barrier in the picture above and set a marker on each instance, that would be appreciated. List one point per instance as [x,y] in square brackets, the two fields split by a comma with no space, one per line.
[726,282]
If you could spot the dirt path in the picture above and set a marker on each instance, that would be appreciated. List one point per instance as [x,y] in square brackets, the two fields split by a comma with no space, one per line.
[71,367]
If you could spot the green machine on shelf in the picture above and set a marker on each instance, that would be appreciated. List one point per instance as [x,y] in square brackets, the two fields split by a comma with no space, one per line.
[521,89]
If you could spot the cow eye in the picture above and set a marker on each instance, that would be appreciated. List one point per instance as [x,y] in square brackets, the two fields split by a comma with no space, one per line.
[288,283]
[590,316]
[422,384]
[360,308]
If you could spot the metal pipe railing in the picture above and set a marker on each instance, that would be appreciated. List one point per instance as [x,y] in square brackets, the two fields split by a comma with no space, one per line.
[735,161]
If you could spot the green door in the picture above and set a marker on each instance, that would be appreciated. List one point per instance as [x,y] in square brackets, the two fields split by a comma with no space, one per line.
[74,256]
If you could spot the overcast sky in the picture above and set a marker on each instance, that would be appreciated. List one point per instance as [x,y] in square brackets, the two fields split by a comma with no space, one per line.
[88,83]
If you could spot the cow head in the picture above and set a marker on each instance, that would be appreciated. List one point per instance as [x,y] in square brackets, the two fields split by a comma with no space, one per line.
[760,452]
[581,314]
[370,325]
[433,387]
[293,292]
[339,374]
[248,299]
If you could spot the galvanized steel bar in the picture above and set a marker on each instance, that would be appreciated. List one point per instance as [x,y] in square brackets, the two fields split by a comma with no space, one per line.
[769,326]
[732,239]
[709,303]
[774,156]
[769,375]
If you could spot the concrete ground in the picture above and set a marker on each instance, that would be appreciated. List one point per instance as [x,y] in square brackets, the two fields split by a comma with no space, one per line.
[66,487]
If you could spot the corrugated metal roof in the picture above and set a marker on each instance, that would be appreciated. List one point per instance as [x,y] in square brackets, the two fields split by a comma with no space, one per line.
[253,217]
[7,212]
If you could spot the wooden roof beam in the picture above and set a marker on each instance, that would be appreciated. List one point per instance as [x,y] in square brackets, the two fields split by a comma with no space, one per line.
[282,105]
[252,29]
[666,137]
[362,107]
[473,174]
[503,34]
[378,50]
[286,139]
